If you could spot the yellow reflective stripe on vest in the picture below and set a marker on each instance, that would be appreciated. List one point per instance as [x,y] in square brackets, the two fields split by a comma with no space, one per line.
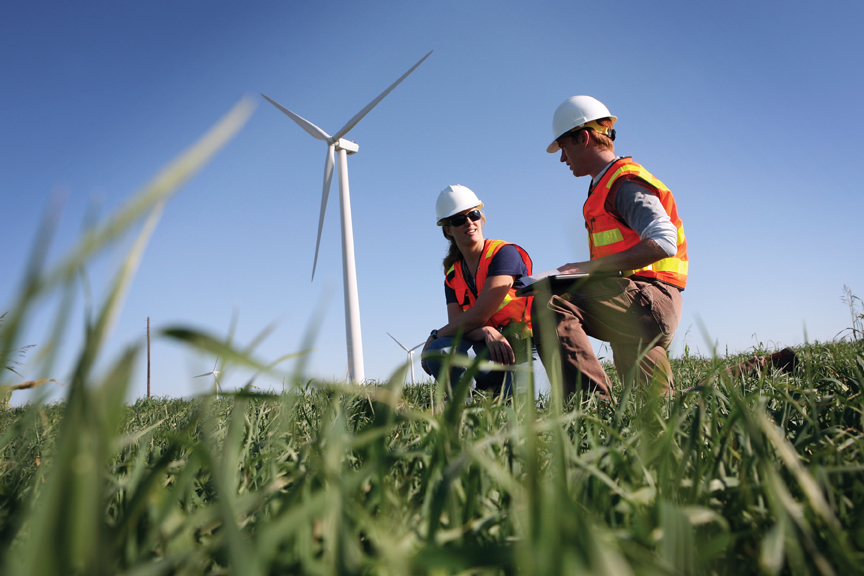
[507,300]
[607,237]
[675,265]
[681,237]
[492,246]
[671,265]
[624,169]
[451,269]
[639,171]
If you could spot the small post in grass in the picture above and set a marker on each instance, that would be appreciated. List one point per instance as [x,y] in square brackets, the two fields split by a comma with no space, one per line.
[148,357]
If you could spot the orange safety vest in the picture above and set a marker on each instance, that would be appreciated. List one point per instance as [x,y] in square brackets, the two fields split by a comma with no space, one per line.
[608,235]
[513,308]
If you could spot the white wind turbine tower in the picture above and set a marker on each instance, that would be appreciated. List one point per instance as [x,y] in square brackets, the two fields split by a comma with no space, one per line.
[349,272]
[410,354]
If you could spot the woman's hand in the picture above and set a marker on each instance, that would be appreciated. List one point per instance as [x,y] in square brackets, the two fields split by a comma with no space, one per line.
[499,348]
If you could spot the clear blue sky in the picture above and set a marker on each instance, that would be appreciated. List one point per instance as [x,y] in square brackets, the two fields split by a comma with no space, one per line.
[750,112]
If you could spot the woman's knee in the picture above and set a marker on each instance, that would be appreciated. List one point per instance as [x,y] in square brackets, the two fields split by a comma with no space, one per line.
[440,347]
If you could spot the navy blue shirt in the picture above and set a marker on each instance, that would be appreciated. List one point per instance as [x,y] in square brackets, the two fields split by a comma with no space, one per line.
[506,262]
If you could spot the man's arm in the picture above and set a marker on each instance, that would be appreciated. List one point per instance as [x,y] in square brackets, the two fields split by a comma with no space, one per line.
[638,205]
[642,254]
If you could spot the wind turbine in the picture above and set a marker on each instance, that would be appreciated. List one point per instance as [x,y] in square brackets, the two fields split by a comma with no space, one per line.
[410,354]
[344,147]
[214,373]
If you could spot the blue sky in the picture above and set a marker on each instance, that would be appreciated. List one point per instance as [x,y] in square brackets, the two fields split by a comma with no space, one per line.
[749,112]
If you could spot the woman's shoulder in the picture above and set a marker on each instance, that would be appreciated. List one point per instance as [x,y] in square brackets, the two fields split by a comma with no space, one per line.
[507,261]
[509,248]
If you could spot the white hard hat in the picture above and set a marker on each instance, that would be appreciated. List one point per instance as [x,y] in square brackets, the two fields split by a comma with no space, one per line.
[454,199]
[574,113]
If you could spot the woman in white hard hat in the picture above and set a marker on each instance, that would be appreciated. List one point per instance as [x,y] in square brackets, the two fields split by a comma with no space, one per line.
[482,277]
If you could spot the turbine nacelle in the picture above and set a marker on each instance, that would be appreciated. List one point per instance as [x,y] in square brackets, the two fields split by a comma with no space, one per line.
[347,145]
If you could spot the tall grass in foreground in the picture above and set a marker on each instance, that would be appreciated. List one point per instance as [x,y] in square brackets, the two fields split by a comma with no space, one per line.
[749,475]
[755,475]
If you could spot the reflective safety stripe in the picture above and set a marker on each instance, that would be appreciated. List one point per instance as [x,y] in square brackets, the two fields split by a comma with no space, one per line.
[607,237]
[681,238]
[492,247]
[618,172]
[639,171]
[672,265]
[507,300]
[675,265]
[451,269]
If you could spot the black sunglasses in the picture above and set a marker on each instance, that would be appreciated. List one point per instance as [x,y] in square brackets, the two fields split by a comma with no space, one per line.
[474,215]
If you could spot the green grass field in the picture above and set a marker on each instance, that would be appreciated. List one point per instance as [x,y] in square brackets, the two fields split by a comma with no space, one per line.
[752,474]
[757,474]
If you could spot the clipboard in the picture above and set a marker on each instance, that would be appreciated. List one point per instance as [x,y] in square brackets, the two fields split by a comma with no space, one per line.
[550,282]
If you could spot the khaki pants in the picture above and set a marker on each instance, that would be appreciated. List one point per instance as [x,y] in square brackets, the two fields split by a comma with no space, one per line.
[634,316]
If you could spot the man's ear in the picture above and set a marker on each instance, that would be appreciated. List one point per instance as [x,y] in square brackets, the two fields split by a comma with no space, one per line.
[584,137]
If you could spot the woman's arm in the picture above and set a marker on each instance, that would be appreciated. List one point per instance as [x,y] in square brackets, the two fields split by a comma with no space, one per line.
[499,347]
[454,310]
[489,300]
[473,321]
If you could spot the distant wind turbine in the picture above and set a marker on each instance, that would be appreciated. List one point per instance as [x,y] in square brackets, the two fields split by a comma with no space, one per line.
[349,273]
[410,354]
[214,373]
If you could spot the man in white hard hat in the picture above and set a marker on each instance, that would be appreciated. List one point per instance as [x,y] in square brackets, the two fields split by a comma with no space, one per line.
[638,262]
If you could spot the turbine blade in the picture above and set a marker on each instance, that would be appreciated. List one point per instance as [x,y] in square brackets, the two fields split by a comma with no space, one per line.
[417,346]
[397,342]
[312,129]
[359,116]
[328,178]
[202,375]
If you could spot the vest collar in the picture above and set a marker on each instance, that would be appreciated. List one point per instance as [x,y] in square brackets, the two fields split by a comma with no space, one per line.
[597,178]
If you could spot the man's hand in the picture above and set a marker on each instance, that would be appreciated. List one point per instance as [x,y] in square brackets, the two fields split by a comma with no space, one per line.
[642,254]
[577,268]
